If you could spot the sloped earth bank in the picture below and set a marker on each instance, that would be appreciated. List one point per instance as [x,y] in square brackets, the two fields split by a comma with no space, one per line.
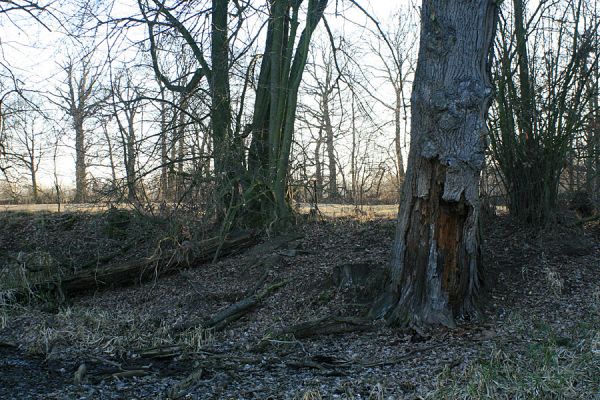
[538,335]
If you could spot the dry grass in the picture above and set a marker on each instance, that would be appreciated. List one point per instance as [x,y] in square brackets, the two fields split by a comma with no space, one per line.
[116,332]
[198,338]
[311,394]
[548,367]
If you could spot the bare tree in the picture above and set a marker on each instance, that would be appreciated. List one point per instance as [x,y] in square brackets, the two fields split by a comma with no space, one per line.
[127,104]
[395,53]
[323,90]
[26,143]
[80,100]
[541,102]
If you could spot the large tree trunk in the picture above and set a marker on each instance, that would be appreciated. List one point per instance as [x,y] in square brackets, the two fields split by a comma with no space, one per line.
[435,269]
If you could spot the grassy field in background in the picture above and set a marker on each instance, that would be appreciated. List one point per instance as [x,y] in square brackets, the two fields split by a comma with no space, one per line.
[346,210]
[53,207]
[326,210]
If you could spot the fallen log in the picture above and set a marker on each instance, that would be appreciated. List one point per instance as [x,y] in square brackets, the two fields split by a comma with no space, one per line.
[159,264]
[239,309]
[233,312]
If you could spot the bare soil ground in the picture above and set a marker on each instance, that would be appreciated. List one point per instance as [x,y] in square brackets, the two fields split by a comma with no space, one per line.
[538,335]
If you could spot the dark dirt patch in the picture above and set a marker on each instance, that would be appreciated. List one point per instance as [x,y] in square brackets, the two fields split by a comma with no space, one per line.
[23,376]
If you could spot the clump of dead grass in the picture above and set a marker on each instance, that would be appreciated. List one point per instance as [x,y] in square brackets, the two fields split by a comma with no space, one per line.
[553,279]
[93,330]
[198,338]
[311,394]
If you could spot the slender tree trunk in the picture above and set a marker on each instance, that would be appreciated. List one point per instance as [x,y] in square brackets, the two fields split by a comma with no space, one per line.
[319,167]
[592,170]
[173,178]
[131,159]
[527,100]
[353,166]
[398,131]
[435,269]
[285,68]
[33,173]
[333,192]
[180,137]
[80,167]
[571,170]
[111,156]
[221,108]
[164,170]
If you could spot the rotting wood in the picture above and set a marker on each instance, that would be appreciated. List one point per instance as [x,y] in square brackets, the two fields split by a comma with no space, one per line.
[233,312]
[146,269]
[259,283]
[325,364]
[239,309]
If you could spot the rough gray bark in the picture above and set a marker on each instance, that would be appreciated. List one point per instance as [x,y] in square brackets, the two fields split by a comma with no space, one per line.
[435,269]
